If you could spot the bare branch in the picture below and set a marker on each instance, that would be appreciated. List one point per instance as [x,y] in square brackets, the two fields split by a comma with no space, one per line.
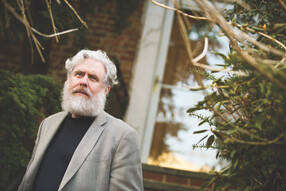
[84,23]
[30,30]
[269,37]
[49,2]
[177,10]
[55,34]
[283,4]
[211,68]
[214,15]
[267,142]
[203,54]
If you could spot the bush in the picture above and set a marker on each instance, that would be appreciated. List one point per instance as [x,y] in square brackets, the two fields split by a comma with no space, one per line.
[25,101]
[248,112]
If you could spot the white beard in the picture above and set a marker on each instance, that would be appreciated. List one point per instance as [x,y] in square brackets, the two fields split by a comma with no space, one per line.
[81,106]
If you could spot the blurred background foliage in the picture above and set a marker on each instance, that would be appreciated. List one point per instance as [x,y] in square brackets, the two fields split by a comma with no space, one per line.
[248,121]
[25,100]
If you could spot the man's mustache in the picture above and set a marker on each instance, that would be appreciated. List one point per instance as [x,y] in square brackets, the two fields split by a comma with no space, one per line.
[82,90]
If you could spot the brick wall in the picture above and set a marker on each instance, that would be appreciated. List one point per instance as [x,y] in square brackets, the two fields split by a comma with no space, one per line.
[102,34]
[10,58]
[166,179]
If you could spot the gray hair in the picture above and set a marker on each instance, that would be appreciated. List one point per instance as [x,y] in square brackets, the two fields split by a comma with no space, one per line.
[110,77]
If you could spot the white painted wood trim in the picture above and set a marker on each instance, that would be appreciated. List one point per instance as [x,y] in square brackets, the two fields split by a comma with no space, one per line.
[150,62]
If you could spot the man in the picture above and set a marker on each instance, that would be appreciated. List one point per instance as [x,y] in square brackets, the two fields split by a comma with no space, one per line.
[83,148]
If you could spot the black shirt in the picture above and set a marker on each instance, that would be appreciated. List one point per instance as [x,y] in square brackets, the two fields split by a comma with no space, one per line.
[59,153]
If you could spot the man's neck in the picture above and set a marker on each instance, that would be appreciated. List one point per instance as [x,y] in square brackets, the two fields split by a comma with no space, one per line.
[79,116]
[75,116]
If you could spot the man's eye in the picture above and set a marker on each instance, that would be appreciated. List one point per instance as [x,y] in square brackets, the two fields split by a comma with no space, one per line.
[94,78]
[78,74]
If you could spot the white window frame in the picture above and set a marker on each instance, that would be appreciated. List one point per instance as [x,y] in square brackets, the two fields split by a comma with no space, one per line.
[148,72]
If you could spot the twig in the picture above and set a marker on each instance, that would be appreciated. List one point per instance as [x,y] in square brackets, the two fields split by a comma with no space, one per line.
[84,23]
[268,142]
[177,10]
[271,62]
[49,2]
[19,18]
[218,69]
[269,37]
[199,57]
[1,29]
[214,15]
[229,31]
[283,4]
[255,42]
[186,40]
[29,32]
[52,35]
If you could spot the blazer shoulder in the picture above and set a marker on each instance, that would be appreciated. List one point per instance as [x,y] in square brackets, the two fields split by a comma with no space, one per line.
[55,116]
[118,124]
[54,119]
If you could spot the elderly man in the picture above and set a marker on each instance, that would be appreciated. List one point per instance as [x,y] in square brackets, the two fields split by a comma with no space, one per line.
[83,148]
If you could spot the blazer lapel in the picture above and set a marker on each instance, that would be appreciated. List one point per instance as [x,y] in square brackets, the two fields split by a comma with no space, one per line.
[48,131]
[51,129]
[84,148]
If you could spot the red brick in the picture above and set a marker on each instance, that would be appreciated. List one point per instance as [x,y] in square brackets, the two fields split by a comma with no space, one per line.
[153,176]
[197,182]
[176,179]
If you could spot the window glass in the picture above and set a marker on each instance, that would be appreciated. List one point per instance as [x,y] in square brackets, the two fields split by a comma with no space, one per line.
[173,139]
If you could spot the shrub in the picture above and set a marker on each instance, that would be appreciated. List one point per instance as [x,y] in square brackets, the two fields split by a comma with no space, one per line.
[248,111]
[24,101]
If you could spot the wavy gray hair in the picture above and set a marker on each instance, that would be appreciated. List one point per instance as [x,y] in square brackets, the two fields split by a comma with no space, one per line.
[110,78]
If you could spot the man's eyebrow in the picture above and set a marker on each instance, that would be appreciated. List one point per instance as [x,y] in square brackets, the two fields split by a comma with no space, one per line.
[94,76]
[77,71]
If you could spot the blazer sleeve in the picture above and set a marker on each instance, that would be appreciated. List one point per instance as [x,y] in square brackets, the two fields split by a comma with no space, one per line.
[126,168]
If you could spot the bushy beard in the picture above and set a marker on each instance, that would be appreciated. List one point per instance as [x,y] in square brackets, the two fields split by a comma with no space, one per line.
[80,106]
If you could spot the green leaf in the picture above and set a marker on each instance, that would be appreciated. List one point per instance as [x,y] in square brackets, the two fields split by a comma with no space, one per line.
[219,135]
[232,153]
[235,164]
[191,110]
[232,131]
[210,141]
[258,29]
[219,54]
[198,89]
[202,139]
[200,131]
[203,121]
[217,155]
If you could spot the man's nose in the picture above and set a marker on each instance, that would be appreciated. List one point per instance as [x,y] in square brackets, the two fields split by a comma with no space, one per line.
[83,81]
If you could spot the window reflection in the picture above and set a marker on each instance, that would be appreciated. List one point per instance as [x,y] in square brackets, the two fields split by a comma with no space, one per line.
[173,138]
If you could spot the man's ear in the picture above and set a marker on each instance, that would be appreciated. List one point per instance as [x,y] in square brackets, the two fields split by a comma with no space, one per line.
[107,89]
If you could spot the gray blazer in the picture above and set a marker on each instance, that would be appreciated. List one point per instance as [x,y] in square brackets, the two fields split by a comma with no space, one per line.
[107,158]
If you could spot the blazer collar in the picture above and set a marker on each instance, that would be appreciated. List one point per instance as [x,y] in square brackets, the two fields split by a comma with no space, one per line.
[84,148]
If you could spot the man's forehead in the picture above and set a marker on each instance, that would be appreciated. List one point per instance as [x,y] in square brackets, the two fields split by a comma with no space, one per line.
[90,64]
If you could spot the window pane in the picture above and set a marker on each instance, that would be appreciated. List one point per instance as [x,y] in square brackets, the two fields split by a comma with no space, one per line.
[173,138]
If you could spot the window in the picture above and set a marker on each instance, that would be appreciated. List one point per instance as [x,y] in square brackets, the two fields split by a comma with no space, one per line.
[173,138]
